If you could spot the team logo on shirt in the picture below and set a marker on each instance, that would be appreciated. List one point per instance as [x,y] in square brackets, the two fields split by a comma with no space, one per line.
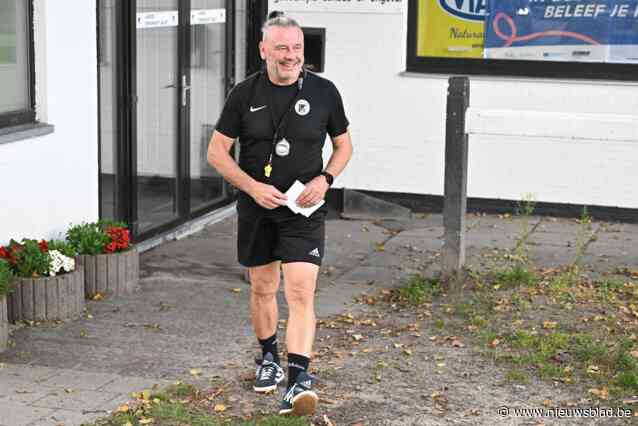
[302,107]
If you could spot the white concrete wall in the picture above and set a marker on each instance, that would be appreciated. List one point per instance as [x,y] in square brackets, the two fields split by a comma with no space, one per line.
[398,120]
[51,181]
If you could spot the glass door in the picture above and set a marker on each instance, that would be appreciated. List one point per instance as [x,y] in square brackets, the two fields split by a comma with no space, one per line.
[160,85]
[165,69]
[208,82]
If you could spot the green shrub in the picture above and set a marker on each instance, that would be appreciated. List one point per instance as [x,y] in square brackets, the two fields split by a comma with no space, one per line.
[6,278]
[87,238]
[31,260]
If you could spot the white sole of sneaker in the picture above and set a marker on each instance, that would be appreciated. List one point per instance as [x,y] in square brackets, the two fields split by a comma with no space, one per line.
[304,404]
[265,389]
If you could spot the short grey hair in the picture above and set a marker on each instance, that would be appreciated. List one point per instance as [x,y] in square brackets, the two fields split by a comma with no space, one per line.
[279,20]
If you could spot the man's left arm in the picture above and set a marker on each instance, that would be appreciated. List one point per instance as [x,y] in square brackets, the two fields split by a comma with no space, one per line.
[316,189]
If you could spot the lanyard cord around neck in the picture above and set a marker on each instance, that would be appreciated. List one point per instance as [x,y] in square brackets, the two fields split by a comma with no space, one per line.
[283,120]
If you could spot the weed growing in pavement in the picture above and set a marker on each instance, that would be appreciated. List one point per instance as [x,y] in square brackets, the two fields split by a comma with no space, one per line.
[418,290]
[514,276]
[518,272]
[524,210]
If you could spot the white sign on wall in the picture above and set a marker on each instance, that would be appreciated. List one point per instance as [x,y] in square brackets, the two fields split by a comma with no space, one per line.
[337,6]
[208,16]
[168,18]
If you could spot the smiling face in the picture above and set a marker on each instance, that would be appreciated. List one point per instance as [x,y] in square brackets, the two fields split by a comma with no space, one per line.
[282,49]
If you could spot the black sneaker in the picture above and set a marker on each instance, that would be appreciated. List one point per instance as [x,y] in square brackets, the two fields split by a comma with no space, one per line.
[300,399]
[268,375]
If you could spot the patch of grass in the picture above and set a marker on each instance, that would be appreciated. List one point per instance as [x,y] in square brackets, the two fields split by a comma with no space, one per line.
[515,276]
[181,390]
[585,349]
[477,321]
[171,411]
[607,289]
[548,371]
[486,336]
[439,323]
[538,350]
[625,367]
[419,290]
[517,376]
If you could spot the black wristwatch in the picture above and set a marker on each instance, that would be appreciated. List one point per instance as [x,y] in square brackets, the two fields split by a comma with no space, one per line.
[329,178]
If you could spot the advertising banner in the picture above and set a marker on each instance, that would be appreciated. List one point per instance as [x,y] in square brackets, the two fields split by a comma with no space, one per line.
[451,28]
[563,30]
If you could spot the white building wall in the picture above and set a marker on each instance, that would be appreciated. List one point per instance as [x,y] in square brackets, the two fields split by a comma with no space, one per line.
[51,181]
[398,120]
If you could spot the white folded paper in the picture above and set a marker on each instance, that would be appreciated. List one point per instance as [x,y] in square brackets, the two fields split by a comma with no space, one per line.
[293,193]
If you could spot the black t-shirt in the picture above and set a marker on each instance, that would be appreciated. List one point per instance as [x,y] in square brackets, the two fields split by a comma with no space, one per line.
[254,108]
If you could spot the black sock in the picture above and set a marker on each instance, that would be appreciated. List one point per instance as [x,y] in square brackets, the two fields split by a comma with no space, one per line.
[296,364]
[270,345]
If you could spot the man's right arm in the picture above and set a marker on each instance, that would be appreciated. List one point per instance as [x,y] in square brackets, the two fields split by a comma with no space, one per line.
[219,157]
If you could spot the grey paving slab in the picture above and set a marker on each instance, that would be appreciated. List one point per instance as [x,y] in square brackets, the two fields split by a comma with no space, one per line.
[127,385]
[25,373]
[13,414]
[24,392]
[80,380]
[64,418]
[76,399]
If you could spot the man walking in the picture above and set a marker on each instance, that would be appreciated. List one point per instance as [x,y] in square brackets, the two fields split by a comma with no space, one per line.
[281,116]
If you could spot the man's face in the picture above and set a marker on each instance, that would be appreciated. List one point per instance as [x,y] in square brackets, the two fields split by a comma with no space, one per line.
[282,49]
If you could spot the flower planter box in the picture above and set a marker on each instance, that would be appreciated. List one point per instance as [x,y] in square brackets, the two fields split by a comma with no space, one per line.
[113,274]
[49,298]
[4,324]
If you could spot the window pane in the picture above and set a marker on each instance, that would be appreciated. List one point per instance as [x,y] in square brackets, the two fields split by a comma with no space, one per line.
[14,69]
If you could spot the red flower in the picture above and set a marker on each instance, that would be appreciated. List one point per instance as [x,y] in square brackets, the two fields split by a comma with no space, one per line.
[119,239]
[110,247]
[44,247]
[10,254]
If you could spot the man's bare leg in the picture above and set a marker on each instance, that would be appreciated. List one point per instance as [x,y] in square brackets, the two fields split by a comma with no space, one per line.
[264,283]
[300,281]
[263,307]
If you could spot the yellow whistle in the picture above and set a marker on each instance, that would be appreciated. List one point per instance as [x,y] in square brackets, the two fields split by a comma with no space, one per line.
[267,170]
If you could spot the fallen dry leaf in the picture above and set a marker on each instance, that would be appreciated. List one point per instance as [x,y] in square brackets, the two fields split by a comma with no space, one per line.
[550,324]
[327,421]
[357,337]
[602,393]
[145,421]
[236,290]
[219,408]
[494,343]
[593,369]
[123,408]
[196,371]
[97,296]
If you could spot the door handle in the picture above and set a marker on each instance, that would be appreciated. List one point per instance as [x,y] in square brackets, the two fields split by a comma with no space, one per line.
[185,89]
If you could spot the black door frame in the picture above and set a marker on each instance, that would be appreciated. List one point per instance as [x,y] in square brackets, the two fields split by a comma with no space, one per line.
[126,115]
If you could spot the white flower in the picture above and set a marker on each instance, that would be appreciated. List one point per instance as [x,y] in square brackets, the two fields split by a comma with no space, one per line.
[60,262]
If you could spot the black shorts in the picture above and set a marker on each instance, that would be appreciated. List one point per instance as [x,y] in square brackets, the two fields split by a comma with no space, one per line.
[287,237]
